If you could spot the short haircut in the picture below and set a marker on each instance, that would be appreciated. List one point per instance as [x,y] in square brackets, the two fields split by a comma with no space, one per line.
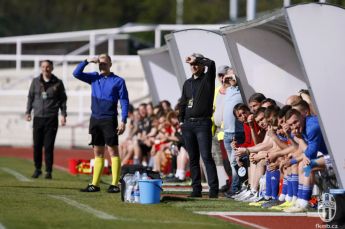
[240,106]
[171,115]
[304,91]
[301,105]
[260,110]
[130,108]
[283,111]
[257,97]
[293,99]
[269,100]
[143,105]
[292,112]
[272,110]
[48,61]
[106,56]
[198,55]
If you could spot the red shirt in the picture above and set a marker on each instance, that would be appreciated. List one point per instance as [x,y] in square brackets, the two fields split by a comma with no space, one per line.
[248,139]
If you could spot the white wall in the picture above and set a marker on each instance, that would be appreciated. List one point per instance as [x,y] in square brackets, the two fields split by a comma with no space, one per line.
[264,60]
[160,75]
[318,34]
[186,42]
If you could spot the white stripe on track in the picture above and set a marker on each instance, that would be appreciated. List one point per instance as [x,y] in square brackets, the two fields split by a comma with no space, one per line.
[85,208]
[2,226]
[17,175]
[245,222]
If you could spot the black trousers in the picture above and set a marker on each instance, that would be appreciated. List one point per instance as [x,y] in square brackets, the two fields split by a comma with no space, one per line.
[44,134]
[198,141]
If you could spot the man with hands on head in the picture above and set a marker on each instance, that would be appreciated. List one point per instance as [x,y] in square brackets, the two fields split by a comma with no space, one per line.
[195,118]
[107,89]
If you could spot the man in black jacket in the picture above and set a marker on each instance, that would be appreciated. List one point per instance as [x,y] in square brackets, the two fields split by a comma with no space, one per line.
[46,96]
[195,117]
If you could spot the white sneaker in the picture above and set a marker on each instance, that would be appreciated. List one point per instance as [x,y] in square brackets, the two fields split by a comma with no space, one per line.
[252,196]
[240,194]
[255,199]
[295,209]
[244,196]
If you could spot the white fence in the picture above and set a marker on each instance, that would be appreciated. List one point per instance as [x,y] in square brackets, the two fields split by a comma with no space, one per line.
[14,86]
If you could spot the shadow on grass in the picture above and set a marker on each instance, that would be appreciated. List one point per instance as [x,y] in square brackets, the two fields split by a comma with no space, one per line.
[172,198]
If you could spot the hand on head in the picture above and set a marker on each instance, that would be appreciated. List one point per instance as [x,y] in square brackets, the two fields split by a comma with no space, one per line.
[92,59]
[190,59]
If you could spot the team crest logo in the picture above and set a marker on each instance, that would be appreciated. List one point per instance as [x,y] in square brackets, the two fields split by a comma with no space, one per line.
[327,207]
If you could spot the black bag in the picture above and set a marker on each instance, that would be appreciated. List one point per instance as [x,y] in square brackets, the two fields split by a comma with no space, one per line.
[131,169]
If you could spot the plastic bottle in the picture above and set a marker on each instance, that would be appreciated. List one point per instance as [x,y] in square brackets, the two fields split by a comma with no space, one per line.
[174,150]
[144,176]
[126,180]
[262,189]
[137,175]
[130,190]
[136,192]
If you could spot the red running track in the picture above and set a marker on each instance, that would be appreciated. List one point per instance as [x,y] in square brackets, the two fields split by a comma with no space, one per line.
[273,222]
[61,156]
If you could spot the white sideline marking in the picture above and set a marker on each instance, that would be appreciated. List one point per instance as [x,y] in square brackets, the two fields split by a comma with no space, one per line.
[61,168]
[308,214]
[2,226]
[245,222]
[86,208]
[17,175]
[103,215]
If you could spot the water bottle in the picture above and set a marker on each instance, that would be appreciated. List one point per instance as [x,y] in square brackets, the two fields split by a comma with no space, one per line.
[127,179]
[144,176]
[174,150]
[137,175]
[130,190]
[136,191]
[262,188]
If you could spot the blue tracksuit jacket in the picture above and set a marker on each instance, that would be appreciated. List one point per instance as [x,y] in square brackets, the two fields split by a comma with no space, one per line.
[106,92]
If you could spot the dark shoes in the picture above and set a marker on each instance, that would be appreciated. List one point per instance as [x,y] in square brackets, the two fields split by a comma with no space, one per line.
[36,174]
[113,189]
[174,180]
[90,188]
[229,194]
[195,195]
[226,187]
[48,176]
[93,188]
[213,194]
